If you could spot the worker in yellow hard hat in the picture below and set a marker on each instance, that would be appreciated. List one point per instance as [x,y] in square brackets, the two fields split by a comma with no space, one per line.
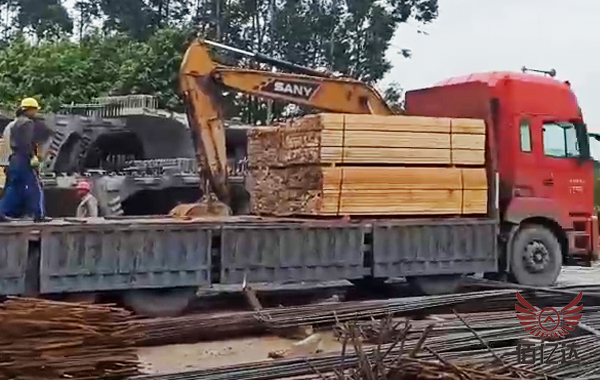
[23,191]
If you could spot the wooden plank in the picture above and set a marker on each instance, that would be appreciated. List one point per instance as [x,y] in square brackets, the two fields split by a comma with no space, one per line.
[474,178]
[468,126]
[401,202]
[315,139]
[294,180]
[396,140]
[475,191]
[396,156]
[468,142]
[468,157]
[396,123]
[400,178]
[474,202]
[315,190]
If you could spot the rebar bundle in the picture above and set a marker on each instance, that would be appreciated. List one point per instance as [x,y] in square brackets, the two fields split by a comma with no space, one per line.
[456,346]
[51,340]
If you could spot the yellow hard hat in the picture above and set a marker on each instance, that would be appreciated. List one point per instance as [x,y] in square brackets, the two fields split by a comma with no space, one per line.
[29,103]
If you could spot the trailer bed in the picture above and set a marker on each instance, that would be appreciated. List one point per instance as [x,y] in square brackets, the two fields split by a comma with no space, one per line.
[113,254]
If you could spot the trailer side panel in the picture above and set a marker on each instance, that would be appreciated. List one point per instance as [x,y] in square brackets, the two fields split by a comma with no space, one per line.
[434,247]
[105,257]
[14,251]
[292,252]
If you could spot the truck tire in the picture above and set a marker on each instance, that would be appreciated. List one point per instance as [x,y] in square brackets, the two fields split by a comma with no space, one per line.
[159,302]
[535,257]
[435,285]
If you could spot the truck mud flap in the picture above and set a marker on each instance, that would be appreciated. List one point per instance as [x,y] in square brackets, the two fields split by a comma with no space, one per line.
[119,256]
[291,253]
[432,247]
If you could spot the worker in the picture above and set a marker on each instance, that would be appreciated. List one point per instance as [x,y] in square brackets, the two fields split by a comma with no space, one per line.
[5,150]
[23,191]
[88,206]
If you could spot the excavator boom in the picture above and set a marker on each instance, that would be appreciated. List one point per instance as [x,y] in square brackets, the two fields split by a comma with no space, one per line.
[202,80]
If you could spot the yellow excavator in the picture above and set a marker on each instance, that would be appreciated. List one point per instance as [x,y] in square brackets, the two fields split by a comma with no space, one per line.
[202,81]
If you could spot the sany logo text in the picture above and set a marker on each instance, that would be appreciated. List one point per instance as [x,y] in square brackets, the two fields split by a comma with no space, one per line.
[292,88]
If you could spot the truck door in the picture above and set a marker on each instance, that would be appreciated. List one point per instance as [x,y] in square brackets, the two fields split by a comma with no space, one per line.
[527,176]
[564,176]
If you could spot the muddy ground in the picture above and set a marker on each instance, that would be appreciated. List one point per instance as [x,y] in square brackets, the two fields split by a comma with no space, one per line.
[185,357]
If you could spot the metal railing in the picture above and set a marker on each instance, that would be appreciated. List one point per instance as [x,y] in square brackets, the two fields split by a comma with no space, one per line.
[113,106]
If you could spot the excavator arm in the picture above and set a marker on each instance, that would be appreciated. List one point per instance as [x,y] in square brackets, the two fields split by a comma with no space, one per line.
[202,81]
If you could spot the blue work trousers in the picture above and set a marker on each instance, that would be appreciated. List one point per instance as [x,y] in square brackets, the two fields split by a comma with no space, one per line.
[23,193]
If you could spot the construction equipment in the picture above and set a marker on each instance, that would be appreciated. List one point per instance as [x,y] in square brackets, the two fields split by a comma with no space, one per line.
[527,213]
[540,211]
[202,80]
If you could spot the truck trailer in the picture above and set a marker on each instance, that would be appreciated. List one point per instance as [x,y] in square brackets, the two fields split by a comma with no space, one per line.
[540,212]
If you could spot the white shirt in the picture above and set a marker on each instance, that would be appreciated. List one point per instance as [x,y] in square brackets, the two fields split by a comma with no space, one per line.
[5,150]
[88,207]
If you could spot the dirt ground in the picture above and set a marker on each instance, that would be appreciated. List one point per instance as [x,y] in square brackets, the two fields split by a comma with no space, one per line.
[186,357]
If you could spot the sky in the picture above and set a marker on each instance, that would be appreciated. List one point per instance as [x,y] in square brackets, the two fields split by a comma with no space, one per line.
[497,35]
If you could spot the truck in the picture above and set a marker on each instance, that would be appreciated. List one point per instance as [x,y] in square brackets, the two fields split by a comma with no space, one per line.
[540,212]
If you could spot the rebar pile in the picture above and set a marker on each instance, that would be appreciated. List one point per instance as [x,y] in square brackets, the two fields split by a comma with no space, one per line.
[469,346]
[195,328]
[467,340]
[50,340]
[198,327]
[490,301]
[496,327]
[398,361]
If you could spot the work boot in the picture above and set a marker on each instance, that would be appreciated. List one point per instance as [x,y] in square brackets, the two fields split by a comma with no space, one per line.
[4,218]
[42,219]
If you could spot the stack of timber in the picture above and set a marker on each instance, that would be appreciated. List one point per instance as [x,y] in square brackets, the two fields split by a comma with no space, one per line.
[344,164]
[54,340]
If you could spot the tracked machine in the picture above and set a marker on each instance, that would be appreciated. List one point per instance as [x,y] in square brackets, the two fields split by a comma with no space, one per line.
[202,80]
[537,211]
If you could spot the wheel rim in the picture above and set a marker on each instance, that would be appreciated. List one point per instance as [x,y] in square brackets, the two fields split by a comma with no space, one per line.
[536,257]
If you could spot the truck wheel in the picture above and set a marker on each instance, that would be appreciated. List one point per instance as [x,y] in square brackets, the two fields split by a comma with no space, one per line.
[435,285]
[536,258]
[159,302]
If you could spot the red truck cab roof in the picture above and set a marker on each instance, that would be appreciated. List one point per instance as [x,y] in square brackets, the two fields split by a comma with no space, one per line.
[492,78]
[527,93]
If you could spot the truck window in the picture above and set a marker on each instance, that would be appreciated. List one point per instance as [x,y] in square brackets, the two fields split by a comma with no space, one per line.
[525,136]
[560,140]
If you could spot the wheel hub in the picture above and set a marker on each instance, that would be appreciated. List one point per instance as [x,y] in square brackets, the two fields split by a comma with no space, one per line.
[536,257]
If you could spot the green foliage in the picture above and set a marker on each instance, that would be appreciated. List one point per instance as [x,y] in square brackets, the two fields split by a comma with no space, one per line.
[394,97]
[138,45]
[61,72]
[45,18]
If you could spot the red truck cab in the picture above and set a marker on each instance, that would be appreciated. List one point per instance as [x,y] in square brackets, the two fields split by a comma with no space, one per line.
[538,149]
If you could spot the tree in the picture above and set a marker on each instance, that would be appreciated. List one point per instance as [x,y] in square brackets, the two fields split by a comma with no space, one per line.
[44,18]
[141,18]
[394,97]
[142,43]
[87,11]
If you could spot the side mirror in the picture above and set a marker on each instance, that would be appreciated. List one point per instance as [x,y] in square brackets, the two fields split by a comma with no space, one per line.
[595,136]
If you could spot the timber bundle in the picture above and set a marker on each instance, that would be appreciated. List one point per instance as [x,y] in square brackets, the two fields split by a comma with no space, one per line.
[51,340]
[343,164]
